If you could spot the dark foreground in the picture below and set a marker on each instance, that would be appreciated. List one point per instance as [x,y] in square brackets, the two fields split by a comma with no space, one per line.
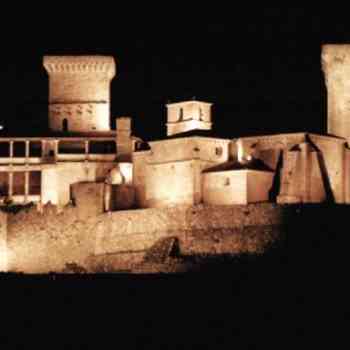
[295,293]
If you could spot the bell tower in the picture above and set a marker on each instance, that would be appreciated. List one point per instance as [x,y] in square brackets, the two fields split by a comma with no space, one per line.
[188,115]
[79,92]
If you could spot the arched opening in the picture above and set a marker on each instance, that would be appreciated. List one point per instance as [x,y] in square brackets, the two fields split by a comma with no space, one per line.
[65,125]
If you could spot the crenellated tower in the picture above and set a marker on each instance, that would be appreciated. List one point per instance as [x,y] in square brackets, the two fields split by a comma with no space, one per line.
[79,92]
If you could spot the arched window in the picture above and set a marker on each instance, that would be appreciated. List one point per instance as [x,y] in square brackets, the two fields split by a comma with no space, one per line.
[65,125]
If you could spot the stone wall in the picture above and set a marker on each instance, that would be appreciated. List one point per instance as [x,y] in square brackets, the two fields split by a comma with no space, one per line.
[170,164]
[42,242]
[57,180]
[259,184]
[225,187]
[3,242]
[170,183]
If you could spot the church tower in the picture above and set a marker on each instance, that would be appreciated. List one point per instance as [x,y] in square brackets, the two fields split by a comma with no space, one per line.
[187,116]
[336,68]
[79,92]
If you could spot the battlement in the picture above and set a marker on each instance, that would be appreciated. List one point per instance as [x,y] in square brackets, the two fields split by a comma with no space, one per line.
[80,64]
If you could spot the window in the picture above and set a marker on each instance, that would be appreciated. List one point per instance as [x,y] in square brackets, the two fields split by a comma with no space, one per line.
[18,182]
[227,182]
[35,182]
[19,149]
[4,183]
[181,114]
[218,151]
[200,114]
[65,125]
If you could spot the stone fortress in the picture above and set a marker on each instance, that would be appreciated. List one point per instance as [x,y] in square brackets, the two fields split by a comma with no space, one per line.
[82,163]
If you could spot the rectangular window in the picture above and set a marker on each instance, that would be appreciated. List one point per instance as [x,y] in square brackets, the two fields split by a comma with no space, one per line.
[4,149]
[19,149]
[4,183]
[18,182]
[35,182]
[102,147]
[35,149]
[71,147]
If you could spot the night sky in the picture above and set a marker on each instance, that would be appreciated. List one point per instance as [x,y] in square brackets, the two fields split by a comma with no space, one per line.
[260,68]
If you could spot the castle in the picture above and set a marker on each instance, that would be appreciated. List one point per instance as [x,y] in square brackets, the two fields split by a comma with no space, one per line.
[189,166]
[190,184]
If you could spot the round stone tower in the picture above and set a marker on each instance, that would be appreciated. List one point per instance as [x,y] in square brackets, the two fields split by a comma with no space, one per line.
[79,92]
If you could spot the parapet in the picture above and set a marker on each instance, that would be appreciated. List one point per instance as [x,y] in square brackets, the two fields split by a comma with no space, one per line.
[80,64]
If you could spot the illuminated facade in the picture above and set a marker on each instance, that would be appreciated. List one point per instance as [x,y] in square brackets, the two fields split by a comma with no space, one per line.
[189,166]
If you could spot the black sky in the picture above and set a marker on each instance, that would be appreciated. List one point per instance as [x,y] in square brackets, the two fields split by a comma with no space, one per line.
[260,68]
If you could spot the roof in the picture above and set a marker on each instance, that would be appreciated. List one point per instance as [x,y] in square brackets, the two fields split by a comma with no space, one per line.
[190,133]
[188,102]
[255,164]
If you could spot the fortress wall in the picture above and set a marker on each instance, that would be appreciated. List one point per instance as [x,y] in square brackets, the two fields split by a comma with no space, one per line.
[3,242]
[39,243]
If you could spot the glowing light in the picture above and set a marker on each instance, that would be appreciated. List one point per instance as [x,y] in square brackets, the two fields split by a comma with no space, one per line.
[1,127]
[122,174]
